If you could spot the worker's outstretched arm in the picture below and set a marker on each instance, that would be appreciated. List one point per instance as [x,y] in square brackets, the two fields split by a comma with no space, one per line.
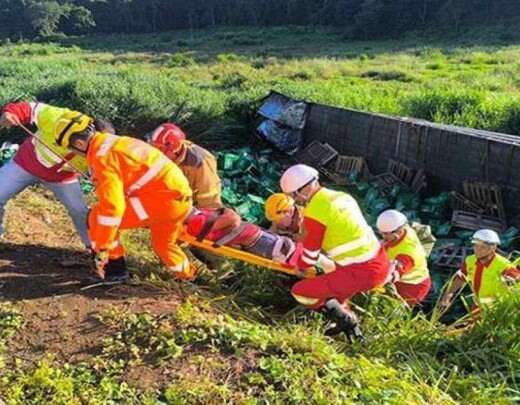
[106,216]
[312,242]
[456,284]
[511,275]
[14,114]
[28,113]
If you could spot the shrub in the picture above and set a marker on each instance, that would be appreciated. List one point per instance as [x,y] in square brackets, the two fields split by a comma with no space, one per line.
[511,119]
[247,41]
[228,57]
[459,107]
[181,59]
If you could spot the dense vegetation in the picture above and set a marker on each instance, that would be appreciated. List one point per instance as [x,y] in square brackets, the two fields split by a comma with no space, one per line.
[357,18]
[210,80]
[236,336]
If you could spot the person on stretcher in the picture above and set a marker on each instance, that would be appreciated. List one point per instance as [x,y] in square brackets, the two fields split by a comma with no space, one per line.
[225,227]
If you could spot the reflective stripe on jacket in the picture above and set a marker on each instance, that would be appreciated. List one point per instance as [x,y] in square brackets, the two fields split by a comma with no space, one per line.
[127,171]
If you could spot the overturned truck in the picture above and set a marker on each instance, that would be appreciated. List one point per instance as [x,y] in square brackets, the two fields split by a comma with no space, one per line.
[449,157]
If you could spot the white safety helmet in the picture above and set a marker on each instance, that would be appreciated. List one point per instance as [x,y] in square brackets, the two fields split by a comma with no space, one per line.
[390,221]
[486,236]
[296,177]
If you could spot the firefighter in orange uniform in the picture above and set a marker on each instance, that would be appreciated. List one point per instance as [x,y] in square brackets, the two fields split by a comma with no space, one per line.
[137,187]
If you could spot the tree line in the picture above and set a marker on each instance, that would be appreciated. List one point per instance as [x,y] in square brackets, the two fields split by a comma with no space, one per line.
[359,18]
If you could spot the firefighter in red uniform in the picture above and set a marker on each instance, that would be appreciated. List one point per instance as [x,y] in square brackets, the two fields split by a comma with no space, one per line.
[334,224]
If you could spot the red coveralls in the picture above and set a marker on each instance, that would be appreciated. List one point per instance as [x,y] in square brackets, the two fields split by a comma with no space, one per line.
[347,280]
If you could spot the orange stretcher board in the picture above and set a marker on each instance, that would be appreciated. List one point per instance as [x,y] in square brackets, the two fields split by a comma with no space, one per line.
[250,258]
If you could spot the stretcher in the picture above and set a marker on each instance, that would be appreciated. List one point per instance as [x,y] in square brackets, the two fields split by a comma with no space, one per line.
[226,251]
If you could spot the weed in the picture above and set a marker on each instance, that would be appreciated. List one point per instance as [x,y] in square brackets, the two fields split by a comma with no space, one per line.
[10,321]
[140,337]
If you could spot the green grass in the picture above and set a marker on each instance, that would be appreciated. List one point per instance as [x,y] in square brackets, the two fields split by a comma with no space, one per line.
[239,337]
[209,83]
[405,360]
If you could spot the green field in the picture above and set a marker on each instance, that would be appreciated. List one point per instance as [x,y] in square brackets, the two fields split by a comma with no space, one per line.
[215,75]
[235,335]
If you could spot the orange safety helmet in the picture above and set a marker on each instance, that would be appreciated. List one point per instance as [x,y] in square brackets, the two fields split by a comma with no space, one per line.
[167,138]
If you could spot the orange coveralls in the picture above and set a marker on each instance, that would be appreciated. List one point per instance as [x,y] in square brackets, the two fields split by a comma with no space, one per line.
[137,187]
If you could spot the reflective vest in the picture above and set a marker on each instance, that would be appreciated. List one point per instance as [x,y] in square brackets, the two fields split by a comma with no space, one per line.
[45,118]
[491,284]
[411,246]
[348,238]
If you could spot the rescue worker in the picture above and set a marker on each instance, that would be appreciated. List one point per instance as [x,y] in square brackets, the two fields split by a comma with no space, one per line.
[410,273]
[137,186]
[487,272]
[198,165]
[35,163]
[333,223]
[285,216]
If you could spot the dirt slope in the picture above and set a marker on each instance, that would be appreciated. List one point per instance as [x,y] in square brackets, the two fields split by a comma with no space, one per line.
[43,269]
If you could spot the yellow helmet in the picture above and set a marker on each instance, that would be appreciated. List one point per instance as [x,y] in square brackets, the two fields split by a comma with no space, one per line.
[70,123]
[276,205]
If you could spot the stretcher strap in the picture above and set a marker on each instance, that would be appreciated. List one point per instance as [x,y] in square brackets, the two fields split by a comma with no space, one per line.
[208,225]
[230,236]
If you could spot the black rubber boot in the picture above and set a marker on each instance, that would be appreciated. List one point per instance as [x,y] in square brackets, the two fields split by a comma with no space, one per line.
[115,270]
[346,321]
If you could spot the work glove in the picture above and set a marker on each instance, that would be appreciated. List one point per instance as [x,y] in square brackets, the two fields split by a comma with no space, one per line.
[393,274]
[326,264]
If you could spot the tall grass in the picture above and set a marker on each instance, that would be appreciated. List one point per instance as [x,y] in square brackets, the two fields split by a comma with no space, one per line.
[209,86]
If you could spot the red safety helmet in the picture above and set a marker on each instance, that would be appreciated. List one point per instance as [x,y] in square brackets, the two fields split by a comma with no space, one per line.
[167,137]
